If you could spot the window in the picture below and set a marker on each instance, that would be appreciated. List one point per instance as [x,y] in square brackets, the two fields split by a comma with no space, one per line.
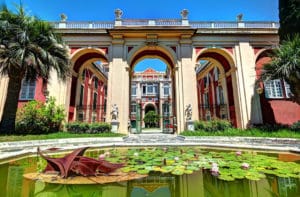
[27,90]
[166,109]
[150,88]
[133,108]
[133,90]
[81,95]
[287,89]
[96,83]
[273,89]
[95,101]
[166,89]
[216,73]
[206,81]
[205,100]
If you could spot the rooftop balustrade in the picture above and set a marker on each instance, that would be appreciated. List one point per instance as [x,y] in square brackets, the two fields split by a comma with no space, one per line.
[166,23]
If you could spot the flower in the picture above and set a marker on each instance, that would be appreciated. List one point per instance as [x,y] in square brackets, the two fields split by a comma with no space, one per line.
[176,158]
[101,157]
[245,166]
[107,154]
[214,169]
[238,153]
[135,154]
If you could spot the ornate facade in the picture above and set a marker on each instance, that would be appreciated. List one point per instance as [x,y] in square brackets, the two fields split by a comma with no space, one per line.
[213,68]
[151,91]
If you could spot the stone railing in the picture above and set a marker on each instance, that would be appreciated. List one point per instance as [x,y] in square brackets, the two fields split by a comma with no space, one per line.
[230,25]
[166,23]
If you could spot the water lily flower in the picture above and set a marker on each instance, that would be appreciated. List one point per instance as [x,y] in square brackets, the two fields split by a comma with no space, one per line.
[245,165]
[101,156]
[238,153]
[135,154]
[214,169]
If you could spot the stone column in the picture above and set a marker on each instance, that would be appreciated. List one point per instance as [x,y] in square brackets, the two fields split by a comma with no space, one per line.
[246,76]
[188,89]
[118,84]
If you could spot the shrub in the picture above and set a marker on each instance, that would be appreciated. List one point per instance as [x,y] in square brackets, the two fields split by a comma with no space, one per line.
[81,127]
[213,125]
[39,118]
[151,119]
[296,126]
[99,128]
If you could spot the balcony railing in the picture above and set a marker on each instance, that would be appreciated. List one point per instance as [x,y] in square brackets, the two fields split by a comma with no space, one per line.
[166,23]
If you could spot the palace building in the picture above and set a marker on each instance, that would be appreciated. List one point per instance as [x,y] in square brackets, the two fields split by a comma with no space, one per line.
[152,91]
[211,67]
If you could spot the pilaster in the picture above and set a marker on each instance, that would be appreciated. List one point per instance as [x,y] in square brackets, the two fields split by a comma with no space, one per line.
[246,76]
[118,84]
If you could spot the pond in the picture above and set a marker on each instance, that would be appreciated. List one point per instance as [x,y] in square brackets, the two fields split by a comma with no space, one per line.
[169,172]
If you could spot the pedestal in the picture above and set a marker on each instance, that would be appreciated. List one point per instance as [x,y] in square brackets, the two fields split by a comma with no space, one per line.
[114,126]
[190,125]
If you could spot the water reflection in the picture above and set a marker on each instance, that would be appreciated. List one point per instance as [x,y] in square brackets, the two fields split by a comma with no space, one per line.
[198,184]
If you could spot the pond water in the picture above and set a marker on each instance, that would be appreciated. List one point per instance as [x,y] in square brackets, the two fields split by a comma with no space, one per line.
[193,182]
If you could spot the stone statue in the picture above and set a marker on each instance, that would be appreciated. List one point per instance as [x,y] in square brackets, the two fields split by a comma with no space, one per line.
[239,17]
[114,112]
[184,14]
[118,14]
[63,17]
[188,112]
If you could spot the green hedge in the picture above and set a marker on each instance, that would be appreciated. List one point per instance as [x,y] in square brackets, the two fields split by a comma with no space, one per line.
[213,125]
[80,127]
[296,126]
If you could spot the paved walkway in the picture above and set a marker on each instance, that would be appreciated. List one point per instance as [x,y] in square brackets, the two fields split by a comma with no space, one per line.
[13,149]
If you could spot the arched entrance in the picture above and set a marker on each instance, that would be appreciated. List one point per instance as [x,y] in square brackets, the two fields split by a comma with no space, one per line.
[215,89]
[152,90]
[88,88]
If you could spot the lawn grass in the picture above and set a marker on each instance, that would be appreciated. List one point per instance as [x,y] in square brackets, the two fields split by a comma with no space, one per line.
[9,138]
[281,133]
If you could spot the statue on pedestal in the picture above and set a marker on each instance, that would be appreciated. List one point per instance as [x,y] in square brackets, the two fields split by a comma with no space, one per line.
[114,112]
[188,112]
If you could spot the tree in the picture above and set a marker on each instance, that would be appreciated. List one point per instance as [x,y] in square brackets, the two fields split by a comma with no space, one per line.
[29,49]
[289,15]
[151,118]
[285,65]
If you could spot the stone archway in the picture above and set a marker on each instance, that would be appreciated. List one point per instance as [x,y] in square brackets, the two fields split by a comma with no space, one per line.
[217,96]
[88,86]
[162,82]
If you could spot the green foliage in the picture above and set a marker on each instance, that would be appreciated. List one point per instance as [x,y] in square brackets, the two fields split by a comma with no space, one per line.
[151,119]
[296,126]
[81,127]
[30,48]
[285,65]
[39,118]
[58,135]
[253,132]
[289,15]
[213,125]
[186,160]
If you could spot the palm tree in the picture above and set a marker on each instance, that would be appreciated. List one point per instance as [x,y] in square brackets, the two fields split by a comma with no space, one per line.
[29,49]
[285,65]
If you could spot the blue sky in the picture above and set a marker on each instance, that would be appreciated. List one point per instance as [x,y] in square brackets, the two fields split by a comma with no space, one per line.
[103,10]
[199,10]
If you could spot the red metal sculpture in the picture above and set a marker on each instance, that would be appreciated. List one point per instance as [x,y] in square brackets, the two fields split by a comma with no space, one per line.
[76,164]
